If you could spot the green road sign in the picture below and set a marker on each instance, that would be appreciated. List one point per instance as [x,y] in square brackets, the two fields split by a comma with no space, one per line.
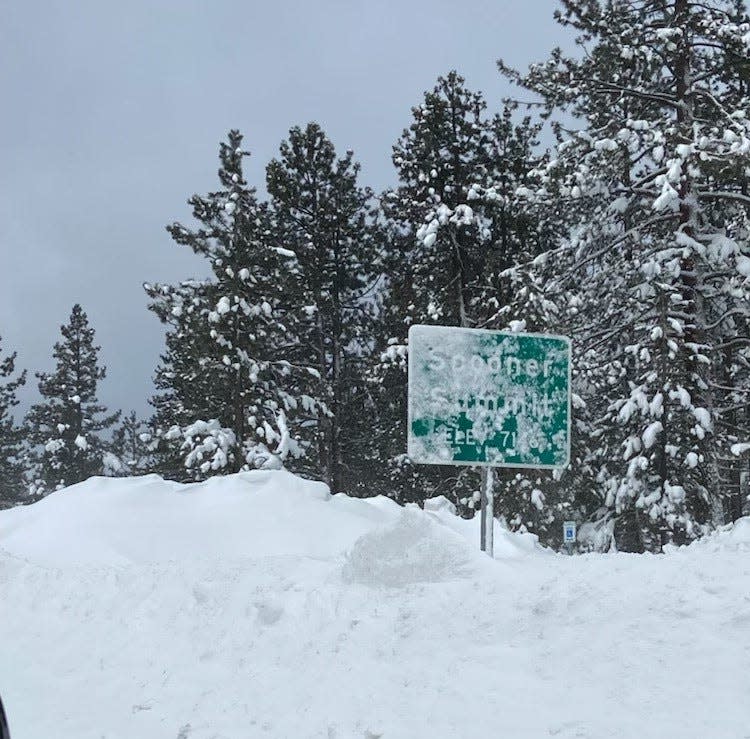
[488,398]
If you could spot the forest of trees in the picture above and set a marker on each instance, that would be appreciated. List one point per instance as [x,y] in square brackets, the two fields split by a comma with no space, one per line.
[630,234]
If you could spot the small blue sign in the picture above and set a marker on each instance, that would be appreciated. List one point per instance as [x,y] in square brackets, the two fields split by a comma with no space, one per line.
[569,532]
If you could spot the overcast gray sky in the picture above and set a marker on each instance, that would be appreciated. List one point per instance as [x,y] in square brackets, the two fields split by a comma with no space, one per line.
[111,114]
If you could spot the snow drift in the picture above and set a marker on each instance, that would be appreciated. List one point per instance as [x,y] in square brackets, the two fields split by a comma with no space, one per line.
[259,605]
[264,513]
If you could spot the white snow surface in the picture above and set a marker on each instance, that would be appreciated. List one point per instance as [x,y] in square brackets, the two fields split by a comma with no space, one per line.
[257,605]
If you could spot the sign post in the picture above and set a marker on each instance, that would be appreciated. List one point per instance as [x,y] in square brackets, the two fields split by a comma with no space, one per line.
[487,536]
[488,399]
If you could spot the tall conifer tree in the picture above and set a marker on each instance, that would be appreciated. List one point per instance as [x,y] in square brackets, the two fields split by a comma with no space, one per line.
[326,221]
[653,283]
[65,428]
[228,387]
[456,223]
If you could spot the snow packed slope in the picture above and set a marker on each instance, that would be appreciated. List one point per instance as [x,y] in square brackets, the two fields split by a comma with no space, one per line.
[258,605]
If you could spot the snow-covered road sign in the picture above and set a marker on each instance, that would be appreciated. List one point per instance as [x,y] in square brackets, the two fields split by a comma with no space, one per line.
[488,398]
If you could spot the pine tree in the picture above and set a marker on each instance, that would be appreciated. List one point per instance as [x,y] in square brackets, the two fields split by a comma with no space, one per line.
[228,387]
[456,224]
[442,159]
[653,282]
[65,428]
[327,222]
[11,446]
[186,390]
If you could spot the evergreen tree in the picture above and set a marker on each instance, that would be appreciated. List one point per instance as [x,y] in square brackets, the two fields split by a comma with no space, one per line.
[442,159]
[652,283]
[327,224]
[65,427]
[186,390]
[227,383]
[456,224]
[11,446]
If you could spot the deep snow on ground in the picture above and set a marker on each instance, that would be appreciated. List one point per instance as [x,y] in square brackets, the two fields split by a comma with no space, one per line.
[259,606]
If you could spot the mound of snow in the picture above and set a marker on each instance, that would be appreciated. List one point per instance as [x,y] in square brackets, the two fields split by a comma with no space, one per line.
[414,549]
[264,513]
[740,532]
[438,504]
[147,520]
[734,537]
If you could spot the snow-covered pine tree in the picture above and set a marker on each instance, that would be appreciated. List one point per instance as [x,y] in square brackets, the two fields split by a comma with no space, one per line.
[654,282]
[522,229]
[440,248]
[458,223]
[327,224]
[229,389]
[11,438]
[186,390]
[442,159]
[65,428]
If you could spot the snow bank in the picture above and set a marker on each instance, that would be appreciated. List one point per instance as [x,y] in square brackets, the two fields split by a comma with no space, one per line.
[264,513]
[413,549]
[259,606]
[147,520]
[734,537]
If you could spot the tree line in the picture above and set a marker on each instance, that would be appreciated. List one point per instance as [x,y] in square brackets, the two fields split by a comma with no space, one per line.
[630,235]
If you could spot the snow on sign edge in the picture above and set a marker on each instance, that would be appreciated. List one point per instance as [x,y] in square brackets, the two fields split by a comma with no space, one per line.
[515,334]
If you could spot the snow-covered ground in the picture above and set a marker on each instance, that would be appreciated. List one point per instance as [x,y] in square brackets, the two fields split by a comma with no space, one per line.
[259,606]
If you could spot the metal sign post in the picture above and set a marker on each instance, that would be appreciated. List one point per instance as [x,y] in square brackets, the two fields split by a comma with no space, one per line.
[487,535]
[489,399]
